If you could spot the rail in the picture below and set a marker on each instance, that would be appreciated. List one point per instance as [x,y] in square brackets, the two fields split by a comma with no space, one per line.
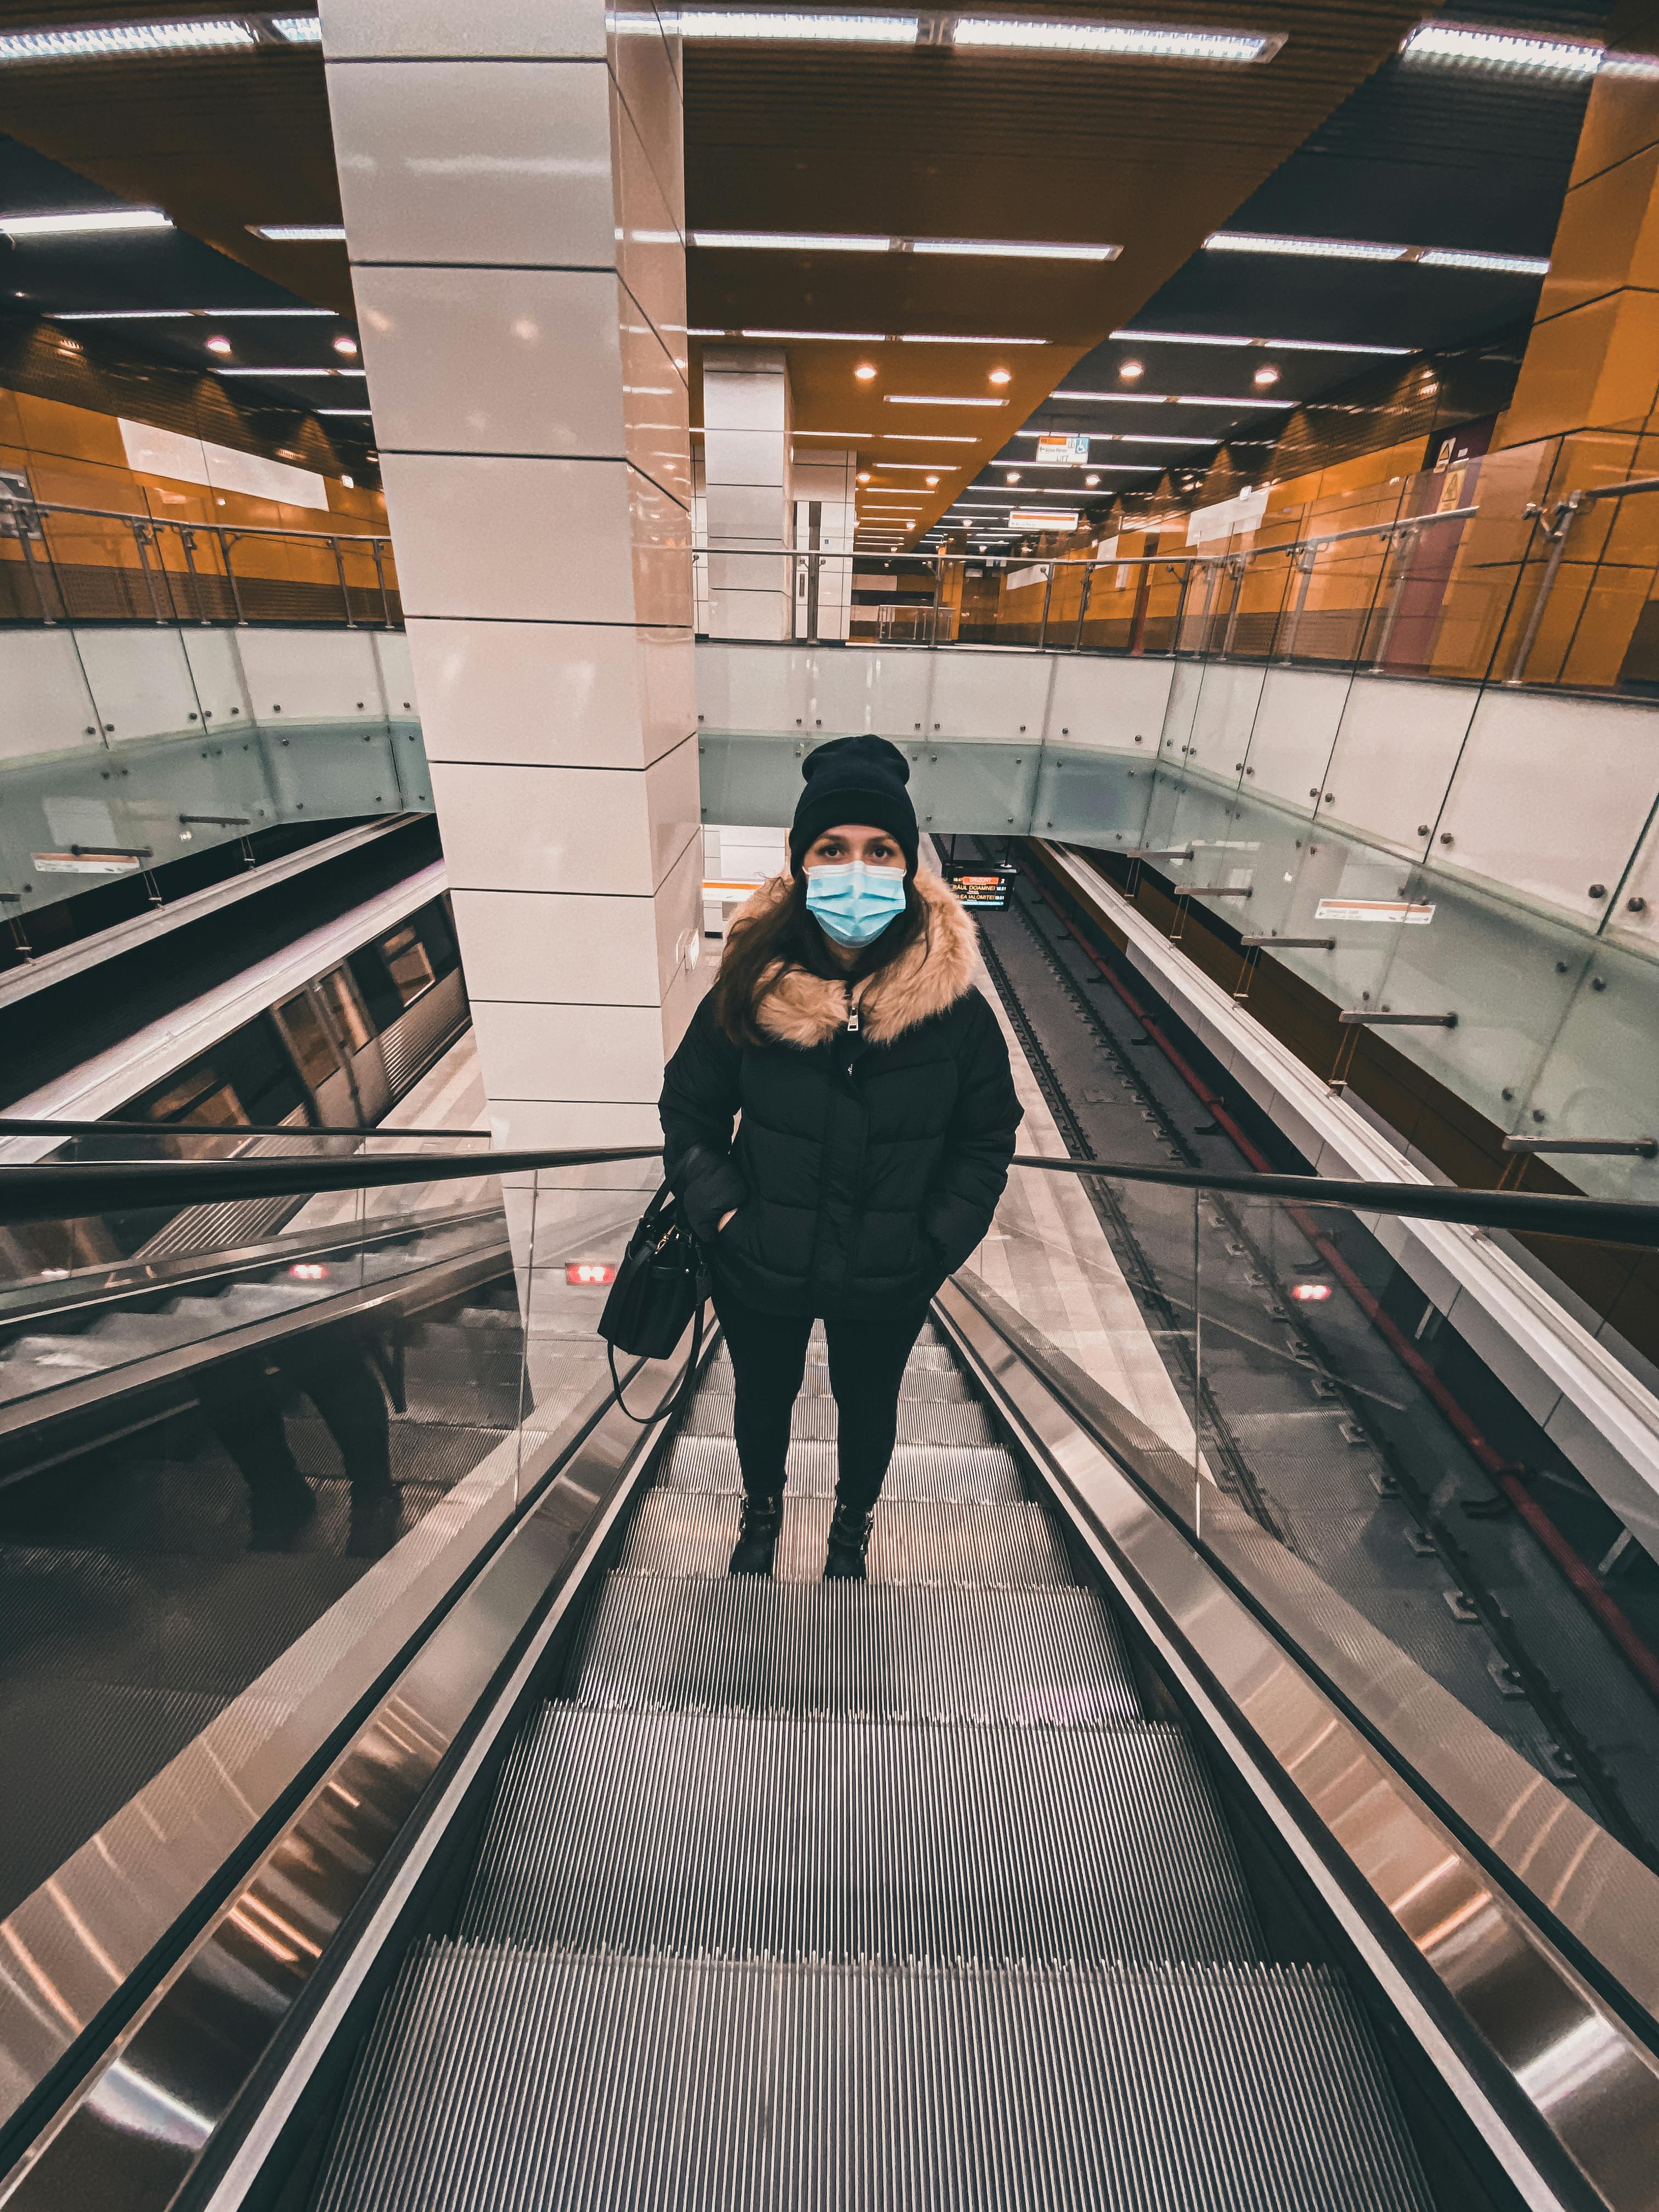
[1462,578]
[56,1191]
[165,582]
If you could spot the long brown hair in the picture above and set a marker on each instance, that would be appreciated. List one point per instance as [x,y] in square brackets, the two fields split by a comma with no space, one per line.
[786,931]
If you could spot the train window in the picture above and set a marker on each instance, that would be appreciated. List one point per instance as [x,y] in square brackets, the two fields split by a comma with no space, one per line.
[258,1064]
[200,1095]
[350,1016]
[408,964]
[436,924]
[309,1040]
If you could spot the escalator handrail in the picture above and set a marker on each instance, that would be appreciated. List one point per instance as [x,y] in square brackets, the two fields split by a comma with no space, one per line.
[52,1191]
[24,1125]
[69,1190]
[119,1281]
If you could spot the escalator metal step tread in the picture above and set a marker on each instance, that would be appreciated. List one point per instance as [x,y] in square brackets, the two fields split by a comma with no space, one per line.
[971,1474]
[918,1652]
[676,1532]
[500,2080]
[921,1420]
[776,1836]
[940,1382]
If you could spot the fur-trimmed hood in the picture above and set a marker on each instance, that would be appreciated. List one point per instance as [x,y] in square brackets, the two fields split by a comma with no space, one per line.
[941,967]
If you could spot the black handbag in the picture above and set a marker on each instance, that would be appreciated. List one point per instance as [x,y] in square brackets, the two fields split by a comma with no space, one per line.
[661,1285]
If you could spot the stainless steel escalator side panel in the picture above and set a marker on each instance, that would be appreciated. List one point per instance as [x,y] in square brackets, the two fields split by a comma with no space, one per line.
[1563,2092]
[133,2128]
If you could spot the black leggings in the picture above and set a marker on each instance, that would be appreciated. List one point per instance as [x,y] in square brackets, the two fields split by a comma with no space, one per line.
[769,1360]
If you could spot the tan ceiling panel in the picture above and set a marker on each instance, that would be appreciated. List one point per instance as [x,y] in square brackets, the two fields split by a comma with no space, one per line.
[926,143]
[1148,155]
[219,140]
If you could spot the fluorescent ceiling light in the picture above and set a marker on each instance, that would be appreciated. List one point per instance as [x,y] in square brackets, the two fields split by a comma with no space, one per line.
[290,372]
[944,399]
[792,24]
[843,435]
[926,438]
[299,30]
[1315,249]
[1014,249]
[1179,398]
[1514,264]
[932,337]
[359,414]
[1152,42]
[83,225]
[917,464]
[839,338]
[1451,42]
[101,41]
[1354,249]
[805,241]
[298,234]
[1275,345]
[182,315]
[791,241]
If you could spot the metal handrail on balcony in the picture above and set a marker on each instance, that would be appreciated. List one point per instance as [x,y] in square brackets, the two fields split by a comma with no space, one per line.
[179,586]
[25,519]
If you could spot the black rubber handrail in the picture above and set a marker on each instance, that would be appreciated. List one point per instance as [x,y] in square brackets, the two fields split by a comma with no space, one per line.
[1537,1213]
[69,1190]
[25,1126]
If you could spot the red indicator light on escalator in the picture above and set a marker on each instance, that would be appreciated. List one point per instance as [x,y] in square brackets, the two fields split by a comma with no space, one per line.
[308,1271]
[589,1274]
[1310,1294]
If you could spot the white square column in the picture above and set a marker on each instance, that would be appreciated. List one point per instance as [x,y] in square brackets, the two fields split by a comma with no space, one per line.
[511,178]
[825,486]
[745,493]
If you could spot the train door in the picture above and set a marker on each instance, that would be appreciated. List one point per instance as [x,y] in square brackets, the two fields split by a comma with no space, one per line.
[325,1075]
[356,1037]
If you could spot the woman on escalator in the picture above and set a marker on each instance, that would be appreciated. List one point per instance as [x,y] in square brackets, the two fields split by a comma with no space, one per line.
[878,1120]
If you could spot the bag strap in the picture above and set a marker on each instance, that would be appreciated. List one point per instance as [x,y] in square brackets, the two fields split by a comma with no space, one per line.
[671,1405]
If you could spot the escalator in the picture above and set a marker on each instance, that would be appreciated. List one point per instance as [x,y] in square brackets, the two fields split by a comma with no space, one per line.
[1099,1850]
[800,1893]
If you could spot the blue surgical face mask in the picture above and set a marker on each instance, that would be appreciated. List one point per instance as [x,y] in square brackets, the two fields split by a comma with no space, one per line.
[853,904]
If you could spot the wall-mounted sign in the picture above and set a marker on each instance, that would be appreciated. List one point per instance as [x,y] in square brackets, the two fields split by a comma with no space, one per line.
[1226,517]
[1043,518]
[1396,910]
[985,888]
[1063,451]
[86,864]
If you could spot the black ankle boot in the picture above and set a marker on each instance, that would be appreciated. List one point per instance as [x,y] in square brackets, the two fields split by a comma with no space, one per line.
[849,1539]
[757,1535]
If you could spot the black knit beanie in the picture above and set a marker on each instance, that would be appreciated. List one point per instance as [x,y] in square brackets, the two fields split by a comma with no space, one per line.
[856,780]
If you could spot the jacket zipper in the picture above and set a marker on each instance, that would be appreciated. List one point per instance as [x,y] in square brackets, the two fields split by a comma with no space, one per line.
[851,1031]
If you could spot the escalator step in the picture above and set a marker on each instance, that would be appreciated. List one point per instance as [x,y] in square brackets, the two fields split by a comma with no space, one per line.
[971,1474]
[765,1835]
[922,1652]
[500,2081]
[921,1420]
[932,1376]
[679,1532]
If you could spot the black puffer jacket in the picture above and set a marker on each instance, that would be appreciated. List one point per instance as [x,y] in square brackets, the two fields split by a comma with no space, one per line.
[867,1163]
